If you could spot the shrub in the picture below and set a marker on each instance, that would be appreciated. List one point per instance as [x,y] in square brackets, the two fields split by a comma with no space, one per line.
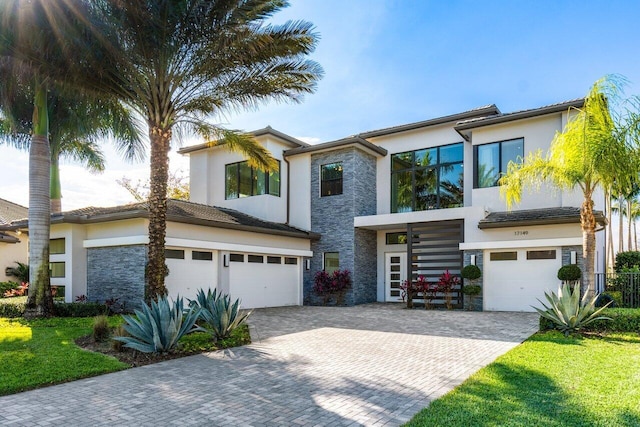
[217,311]
[446,283]
[13,307]
[20,272]
[73,309]
[20,291]
[100,328]
[158,327]
[626,260]
[569,273]
[471,272]
[472,290]
[622,320]
[337,283]
[568,311]
[116,344]
[7,286]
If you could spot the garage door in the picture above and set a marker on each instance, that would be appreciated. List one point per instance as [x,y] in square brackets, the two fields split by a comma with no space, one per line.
[515,279]
[190,270]
[264,280]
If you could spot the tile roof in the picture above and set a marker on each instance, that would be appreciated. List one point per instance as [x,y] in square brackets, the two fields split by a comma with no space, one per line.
[561,215]
[10,211]
[180,211]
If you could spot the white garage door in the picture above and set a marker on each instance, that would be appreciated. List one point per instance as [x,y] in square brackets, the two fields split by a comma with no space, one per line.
[190,270]
[264,280]
[515,279]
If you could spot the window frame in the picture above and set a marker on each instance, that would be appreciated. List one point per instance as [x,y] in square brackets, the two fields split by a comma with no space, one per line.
[64,246]
[341,179]
[58,263]
[500,172]
[324,261]
[266,177]
[437,165]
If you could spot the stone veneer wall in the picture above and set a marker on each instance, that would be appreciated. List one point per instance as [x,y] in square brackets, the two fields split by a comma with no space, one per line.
[477,306]
[332,217]
[117,272]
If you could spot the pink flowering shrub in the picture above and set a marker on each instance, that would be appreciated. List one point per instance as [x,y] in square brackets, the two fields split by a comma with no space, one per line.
[446,285]
[337,283]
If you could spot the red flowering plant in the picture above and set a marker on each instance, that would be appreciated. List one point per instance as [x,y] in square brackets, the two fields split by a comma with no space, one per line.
[446,285]
[327,285]
[420,286]
[20,291]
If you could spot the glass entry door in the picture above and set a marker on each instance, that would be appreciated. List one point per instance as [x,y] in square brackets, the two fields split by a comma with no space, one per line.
[395,273]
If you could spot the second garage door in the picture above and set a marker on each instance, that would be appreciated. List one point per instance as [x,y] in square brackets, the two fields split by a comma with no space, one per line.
[264,280]
[515,279]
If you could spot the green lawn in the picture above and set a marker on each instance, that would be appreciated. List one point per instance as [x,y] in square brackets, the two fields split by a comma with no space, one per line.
[42,352]
[549,380]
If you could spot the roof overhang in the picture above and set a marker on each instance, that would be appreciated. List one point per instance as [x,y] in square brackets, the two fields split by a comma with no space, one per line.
[289,140]
[550,216]
[353,141]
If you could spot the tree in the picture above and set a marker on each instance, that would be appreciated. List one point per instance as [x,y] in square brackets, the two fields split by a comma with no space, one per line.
[177,188]
[176,62]
[590,153]
[77,122]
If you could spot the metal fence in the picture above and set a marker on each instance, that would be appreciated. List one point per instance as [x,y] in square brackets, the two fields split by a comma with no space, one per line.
[624,287]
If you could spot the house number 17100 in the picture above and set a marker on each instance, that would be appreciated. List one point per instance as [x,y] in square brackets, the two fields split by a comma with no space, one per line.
[521,233]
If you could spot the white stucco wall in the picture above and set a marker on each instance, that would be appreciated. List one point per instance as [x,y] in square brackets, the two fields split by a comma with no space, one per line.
[12,252]
[300,184]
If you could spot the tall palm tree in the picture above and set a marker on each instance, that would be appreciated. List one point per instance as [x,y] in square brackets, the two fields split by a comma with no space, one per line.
[589,154]
[178,62]
[77,122]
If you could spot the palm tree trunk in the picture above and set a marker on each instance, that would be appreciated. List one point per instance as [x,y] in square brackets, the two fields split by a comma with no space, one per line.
[620,228]
[40,301]
[629,219]
[610,260]
[160,144]
[588,222]
[55,190]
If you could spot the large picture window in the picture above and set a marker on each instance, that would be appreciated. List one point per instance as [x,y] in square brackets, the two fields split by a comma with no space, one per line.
[491,160]
[331,179]
[241,180]
[426,179]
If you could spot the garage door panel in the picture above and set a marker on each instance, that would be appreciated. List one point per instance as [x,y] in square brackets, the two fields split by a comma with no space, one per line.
[188,275]
[516,285]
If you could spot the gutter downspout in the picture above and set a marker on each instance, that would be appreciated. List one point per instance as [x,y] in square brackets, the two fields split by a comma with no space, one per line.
[288,187]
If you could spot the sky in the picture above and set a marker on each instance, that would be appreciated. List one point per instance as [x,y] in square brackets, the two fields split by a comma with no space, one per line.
[391,62]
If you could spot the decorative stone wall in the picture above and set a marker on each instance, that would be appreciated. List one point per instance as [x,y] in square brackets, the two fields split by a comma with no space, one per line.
[332,217]
[117,272]
[477,301]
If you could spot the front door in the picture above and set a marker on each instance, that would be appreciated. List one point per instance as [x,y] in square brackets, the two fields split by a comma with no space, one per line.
[395,273]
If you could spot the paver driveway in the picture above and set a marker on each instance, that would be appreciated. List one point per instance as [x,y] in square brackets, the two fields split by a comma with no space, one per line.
[367,365]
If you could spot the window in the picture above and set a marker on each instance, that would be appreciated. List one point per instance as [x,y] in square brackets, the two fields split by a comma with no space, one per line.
[549,254]
[202,256]
[396,238]
[274,260]
[255,258]
[236,257]
[331,179]
[291,261]
[430,178]
[331,262]
[56,246]
[57,269]
[491,160]
[174,253]
[503,256]
[241,180]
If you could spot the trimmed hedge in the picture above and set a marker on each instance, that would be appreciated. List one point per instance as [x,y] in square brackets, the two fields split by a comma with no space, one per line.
[84,309]
[628,259]
[622,320]
[12,307]
[7,286]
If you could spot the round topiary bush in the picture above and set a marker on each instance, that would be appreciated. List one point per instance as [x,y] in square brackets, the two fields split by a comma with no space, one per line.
[569,273]
[471,272]
[472,290]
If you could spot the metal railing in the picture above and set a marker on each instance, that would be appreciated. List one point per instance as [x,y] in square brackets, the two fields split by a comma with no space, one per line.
[625,286]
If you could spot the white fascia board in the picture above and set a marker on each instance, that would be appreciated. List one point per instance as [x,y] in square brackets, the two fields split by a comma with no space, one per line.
[531,243]
[379,222]
[116,241]
[189,243]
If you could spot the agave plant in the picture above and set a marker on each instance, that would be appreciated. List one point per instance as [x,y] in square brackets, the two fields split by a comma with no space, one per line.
[158,327]
[568,311]
[217,311]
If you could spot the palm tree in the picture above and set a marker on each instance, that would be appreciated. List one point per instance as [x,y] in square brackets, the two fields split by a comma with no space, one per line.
[76,123]
[590,153]
[176,62]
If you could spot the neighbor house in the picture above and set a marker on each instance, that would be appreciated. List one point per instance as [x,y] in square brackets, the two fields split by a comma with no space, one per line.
[13,243]
[387,205]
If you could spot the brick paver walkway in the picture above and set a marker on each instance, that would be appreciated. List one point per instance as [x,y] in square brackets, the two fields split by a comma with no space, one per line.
[369,365]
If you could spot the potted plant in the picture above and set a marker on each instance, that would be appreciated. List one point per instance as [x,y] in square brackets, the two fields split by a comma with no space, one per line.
[471,273]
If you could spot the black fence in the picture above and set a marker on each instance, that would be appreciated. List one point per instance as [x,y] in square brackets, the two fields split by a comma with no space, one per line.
[624,287]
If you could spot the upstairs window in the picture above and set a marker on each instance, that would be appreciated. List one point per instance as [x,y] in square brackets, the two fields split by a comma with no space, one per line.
[241,180]
[491,161]
[56,246]
[431,178]
[331,262]
[331,179]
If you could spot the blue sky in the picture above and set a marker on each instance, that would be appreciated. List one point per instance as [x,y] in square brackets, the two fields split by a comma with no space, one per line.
[393,62]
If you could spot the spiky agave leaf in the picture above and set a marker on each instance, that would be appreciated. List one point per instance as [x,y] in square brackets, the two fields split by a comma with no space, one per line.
[217,311]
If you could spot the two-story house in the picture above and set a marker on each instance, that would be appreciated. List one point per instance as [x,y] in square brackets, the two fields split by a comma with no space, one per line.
[389,204]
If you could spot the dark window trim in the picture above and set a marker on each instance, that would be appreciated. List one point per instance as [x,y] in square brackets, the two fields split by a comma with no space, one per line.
[256,259]
[202,255]
[267,189]
[236,257]
[274,259]
[174,253]
[437,165]
[341,179]
[500,172]
[498,256]
[398,233]
[540,254]
[291,261]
